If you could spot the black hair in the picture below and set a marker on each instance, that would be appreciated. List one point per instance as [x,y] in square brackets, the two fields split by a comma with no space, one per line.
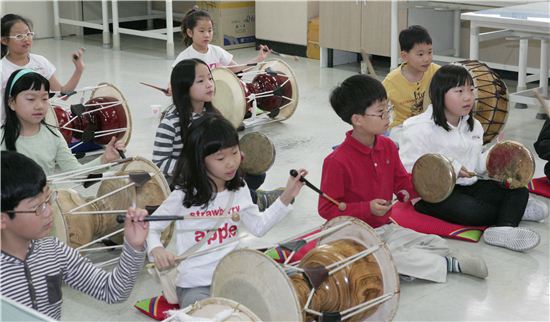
[12,125]
[444,79]
[21,178]
[181,80]
[8,21]
[413,35]
[190,21]
[355,95]
[205,136]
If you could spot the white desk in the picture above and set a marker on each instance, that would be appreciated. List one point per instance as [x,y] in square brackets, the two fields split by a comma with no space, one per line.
[527,21]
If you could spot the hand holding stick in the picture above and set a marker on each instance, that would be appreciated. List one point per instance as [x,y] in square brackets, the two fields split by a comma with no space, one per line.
[121,218]
[341,205]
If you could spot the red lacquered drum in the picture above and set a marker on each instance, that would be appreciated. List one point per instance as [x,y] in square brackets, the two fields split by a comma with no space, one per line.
[271,85]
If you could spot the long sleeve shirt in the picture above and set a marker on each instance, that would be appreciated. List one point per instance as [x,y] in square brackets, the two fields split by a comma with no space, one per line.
[36,281]
[48,150]
[356,174]
[198,271]
[460,145]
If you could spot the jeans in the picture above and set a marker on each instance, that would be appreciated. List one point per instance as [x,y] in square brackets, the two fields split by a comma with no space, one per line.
[254,182]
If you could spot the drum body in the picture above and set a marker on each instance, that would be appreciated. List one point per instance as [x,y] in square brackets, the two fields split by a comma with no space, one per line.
[258,151]
[217,307]
[255,280]
[273,87]
[491,107]
[77,230]
[110,112]
[511,163]
[433,177]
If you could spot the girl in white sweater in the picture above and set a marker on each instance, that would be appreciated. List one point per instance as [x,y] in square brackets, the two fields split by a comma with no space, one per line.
[448,127]
[209,184]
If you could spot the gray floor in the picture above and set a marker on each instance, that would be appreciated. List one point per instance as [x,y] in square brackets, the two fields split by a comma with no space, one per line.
[517,288]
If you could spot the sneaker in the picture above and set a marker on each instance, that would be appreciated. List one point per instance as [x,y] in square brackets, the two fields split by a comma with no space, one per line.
[514,238]
[241,127]
[267,198]
[536,210]
[471,264]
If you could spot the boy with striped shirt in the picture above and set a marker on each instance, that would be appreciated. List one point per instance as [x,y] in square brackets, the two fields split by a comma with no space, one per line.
[33,265]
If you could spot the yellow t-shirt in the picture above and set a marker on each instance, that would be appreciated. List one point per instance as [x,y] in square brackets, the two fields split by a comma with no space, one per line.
[407,98]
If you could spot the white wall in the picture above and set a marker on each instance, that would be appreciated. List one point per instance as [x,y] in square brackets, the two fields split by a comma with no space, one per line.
[284,21]
[41,15]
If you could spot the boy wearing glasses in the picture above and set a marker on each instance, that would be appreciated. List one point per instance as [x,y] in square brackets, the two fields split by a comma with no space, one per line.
[33,265]
[365,172]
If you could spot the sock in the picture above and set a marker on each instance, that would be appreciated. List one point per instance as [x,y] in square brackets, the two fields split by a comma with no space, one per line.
[452,264]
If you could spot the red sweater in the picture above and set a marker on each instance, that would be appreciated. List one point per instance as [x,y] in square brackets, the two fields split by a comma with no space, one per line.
[357,174]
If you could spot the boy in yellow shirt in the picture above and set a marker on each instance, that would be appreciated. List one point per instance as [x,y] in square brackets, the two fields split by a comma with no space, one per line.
[407,85]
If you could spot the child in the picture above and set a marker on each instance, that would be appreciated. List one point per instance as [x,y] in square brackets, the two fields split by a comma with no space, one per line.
[17,36]
[26,102]
[365,171]
[407,84]
[542,147]
[447,127]
[35,265]
[197,31]
[208,183]
[193,92]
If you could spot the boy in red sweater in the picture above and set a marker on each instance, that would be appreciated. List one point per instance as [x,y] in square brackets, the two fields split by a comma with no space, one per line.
[365,172]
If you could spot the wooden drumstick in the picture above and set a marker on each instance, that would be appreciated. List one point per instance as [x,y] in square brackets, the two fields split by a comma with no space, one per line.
[281,55]
[164,90]
[341,205]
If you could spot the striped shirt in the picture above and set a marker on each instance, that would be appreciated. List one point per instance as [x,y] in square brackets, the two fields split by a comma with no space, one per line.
[168,146]
[36,282]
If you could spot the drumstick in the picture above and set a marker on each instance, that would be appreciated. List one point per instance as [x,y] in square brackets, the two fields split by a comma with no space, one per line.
[542,102]
[164,90]
[281,55]
[121,218]
[341,205]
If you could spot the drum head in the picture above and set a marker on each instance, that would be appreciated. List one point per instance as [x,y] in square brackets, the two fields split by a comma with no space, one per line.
[511,162]
[229,97]
[152,193]
[124,116]
[491,108]
[433,177]
[74,230]
[290,89]
[259,153]
[209,309]
[363,234]
[258,282]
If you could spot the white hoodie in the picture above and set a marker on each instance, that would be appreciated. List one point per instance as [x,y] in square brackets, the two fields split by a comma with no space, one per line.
[460,145]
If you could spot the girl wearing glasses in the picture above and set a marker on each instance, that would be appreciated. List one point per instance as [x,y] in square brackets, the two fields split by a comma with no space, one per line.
[17,37]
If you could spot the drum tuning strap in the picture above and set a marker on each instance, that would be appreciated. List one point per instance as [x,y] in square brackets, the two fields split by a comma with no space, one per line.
[88,135]
[97,176]
[151,209]
[316,275]
[77,109]
[294,245]
[331,317]
[139,177]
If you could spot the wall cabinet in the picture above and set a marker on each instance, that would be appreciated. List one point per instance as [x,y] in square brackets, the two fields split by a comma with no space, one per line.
[358,25]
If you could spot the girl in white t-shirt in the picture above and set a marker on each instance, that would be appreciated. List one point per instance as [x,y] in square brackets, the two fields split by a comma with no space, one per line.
[197,30]
[209,184]
[17,37]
